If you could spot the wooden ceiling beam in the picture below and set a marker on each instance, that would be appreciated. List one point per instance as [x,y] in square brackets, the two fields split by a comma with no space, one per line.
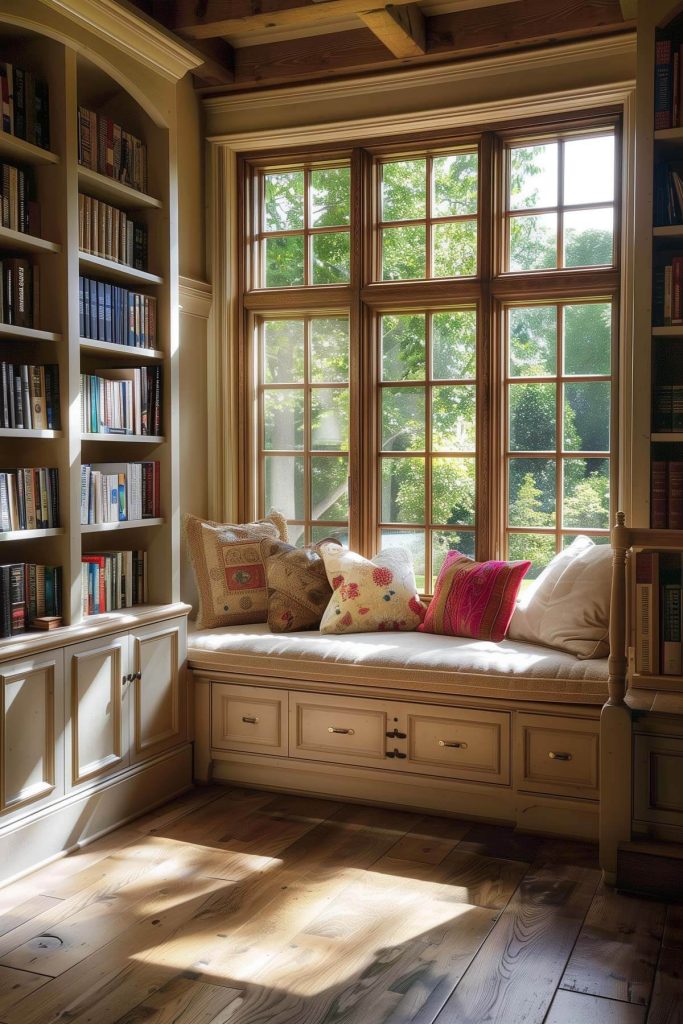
[401,29]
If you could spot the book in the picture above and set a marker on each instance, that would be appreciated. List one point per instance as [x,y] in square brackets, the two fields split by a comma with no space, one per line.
[647,612]
[106,147]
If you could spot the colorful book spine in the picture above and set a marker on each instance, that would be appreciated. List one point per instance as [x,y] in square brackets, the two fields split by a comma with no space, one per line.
[663,84]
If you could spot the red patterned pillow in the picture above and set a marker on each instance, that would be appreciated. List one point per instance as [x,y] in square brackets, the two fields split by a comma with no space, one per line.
[474,599]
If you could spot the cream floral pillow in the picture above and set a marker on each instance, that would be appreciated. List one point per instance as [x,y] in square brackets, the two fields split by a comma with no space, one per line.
[370,595]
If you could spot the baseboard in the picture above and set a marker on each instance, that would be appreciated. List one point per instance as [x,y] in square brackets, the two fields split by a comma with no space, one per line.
[651,869]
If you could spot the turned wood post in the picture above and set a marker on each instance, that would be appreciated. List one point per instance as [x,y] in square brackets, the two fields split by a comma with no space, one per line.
[617,663]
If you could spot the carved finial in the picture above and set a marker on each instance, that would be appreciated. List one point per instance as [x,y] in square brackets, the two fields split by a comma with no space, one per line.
[621,519]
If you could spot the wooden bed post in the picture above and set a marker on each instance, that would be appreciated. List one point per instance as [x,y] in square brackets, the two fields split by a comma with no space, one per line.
[615,720]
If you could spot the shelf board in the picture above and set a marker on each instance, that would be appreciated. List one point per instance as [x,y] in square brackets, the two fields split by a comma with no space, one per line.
[123,438]
[669,134]
[19,149]
[131,524]
[652,682]
[667,436]
[14,333]
[99,186]
[668,332]
[26,243]
[18,432]
[127,352]
[668,231]
[116,271]
[30,534]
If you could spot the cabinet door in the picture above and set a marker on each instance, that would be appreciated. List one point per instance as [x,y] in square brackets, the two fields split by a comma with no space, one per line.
[31,733]
[158,694]
[658,779]
[97,726]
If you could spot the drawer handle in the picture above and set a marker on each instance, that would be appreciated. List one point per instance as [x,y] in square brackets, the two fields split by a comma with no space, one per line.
[342,732]
[395,753]
[556,755]
[396,735]
[250,719]
[453,743]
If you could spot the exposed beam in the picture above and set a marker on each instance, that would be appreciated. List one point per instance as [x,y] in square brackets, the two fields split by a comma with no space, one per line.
[401,29]
[219,62]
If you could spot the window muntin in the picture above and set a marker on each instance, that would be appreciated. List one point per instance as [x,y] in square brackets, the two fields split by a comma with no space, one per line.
[560,203]
[428,216]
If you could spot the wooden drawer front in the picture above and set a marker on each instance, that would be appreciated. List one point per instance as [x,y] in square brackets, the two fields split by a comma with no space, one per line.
[248,718]
[558,755]
[658,779]
[458,743]
[341,729]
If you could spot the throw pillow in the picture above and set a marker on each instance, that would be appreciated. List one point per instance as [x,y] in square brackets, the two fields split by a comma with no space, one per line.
[369,595]
[298,591]
[568,606]
[474,599]
[229,569]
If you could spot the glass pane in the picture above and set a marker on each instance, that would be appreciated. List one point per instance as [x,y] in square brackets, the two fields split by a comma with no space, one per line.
[283,419]
[536,548]
[533,242]
[454,249]
[454,344]
[284,261]
[453,491]
[403,253]
[586,494]
[284,478]
[297,535]
[339,533]
[531,492]
[329,349]
[284,201]
[586,416]
[283,351]
[444,541]
[454,418]
[330,419]
[404,190]
[532,417]
[455,184]
[597,538]
[412,541]
[329,487]
[330,257]
[588,237]
[403,490]
[533,177]
[403,419]
[330,203]
[589,170]
[533,341]
[587,338]
[403,346]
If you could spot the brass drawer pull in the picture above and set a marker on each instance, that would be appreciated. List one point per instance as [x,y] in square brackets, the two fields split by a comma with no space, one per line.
[453,743]
[342,732]
[555,755]
[250,719]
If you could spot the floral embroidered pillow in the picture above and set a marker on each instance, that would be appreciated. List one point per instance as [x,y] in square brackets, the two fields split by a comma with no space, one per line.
[370,595]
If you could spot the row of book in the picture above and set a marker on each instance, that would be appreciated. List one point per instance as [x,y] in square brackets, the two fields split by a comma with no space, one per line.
[118,315]
[112,580]
[19,210]
[29,397]
[122,401]
[19,292]
[668,195]
[25,105]
[658,581]
[119,492]
[666,495]
[29,499]
[667,408]
[106,231]
[667,294]
[28,592]
[107,148]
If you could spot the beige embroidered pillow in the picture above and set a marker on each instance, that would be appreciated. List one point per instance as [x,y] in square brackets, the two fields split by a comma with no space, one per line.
[370,595]
[298,591]
[229,569]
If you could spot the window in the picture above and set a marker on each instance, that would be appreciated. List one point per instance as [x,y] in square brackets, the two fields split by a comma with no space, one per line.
[427,365]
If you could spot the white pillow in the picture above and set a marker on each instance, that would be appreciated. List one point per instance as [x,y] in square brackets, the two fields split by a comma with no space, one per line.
[568,605]
[370,595]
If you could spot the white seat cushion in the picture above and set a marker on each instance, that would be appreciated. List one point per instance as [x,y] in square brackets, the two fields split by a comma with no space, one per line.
[411,661]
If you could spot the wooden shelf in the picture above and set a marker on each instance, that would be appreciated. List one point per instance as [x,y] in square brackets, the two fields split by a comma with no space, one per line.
[13,333]
[665,436]
[126,352]
[668,332]
[26,243]
[27,435]
[116,271]
[668,231]
[26,152]
[131,524]
[30,534]
[99,186]
[123,438]
[662,683]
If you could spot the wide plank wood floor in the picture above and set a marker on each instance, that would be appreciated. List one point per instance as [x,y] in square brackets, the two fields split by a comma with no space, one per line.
[231,906]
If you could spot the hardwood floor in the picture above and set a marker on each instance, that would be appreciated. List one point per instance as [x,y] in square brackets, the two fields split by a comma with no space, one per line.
[231,906]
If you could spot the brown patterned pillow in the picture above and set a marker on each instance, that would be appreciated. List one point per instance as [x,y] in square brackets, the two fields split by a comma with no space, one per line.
[229,569]
[298,589]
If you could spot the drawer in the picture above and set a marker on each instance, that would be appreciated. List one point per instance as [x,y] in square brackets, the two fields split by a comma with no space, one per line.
[251,718]
[347,730]
[558,755]
[658,779]
[459,743]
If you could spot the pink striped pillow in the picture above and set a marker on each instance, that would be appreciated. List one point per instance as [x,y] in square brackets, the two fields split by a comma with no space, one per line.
[474,599]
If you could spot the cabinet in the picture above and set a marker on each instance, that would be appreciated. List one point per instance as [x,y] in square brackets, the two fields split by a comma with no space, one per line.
[555,755]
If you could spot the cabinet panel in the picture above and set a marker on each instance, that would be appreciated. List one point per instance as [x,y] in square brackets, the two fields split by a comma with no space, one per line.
[159,692]
[558,755]
[345,730]
[459,743]
[250,718]
[658,780]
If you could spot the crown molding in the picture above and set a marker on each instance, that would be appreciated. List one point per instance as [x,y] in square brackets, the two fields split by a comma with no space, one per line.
[132,32]
[195,297]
